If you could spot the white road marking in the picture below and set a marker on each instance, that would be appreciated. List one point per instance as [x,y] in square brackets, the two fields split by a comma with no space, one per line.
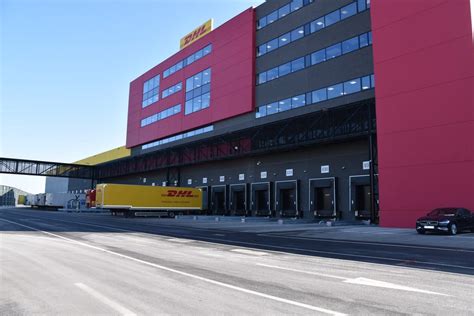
[360,281]
[112,304]
[218,234]
[222,284]
[250,252]
[180,240]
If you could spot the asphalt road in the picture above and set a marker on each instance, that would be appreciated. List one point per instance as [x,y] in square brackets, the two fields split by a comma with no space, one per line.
[75,264]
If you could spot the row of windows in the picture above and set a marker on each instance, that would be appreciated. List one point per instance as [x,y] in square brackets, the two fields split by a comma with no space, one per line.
[317,57]
[314,26]
[198,103]
[188,61]
[171,90]
[331,92]
[198,96]
[281,12]
[161,115]
[198,80]
[151,89]
[192,133]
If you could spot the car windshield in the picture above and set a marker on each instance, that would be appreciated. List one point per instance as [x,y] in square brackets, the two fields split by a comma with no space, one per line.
[443,211]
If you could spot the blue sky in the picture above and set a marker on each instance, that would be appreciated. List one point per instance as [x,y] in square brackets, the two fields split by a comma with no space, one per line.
[66,66]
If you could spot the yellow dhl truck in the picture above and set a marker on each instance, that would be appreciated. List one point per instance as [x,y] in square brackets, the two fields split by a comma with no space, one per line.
[141,200]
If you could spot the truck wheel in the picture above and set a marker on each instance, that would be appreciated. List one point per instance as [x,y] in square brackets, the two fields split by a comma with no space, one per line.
[453,229]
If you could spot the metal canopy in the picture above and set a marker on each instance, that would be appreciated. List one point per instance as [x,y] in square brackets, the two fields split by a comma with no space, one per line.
[45,168]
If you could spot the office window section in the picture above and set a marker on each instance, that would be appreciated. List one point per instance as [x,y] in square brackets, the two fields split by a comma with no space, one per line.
[317,57]
[151,89]
[314,26]
[161,115]
[282,12]
[188,61]
[331,92]
[174,138]
[198,95]
[171,90]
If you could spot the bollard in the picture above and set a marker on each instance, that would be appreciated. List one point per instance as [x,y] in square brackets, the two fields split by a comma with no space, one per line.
[280,222]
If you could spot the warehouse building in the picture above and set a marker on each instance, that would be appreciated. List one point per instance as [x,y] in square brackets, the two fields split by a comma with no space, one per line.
[310,108]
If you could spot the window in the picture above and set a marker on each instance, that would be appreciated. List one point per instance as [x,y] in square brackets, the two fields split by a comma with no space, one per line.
[272,74]
[167,140]
[365,82]
[262,78]
[261,111]
[272,17]
[283,11]
[272,108]
[297,64]
[161,115]
[284,69]
[350,45]
[198,92]
[188,60]
[171,90]
[332,18]
[262,22]
[361,5]
[284,105]
[298,101]
[284,39]
[319,95]
[151,89]
[363,40]
[272,45]
[317,25]
[372,81]
[297,34]
[318,57]
[262,49]
[296,5]
[352,86]
[333,51]
[335,91]
[348,10]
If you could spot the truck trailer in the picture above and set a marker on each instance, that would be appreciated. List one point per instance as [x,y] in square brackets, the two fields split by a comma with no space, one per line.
[141,200]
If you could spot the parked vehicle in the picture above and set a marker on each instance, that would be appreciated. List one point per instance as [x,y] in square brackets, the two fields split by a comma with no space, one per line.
[448,220]
[142,200]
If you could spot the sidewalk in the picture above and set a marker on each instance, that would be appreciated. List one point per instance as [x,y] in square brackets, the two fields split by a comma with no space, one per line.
[296,229]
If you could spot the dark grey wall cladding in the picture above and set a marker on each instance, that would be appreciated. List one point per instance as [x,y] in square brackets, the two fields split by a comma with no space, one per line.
[79,184]
[344,160]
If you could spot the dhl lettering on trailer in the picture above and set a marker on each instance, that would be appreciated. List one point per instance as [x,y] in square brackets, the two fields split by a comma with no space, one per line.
[180,193]
[196,34]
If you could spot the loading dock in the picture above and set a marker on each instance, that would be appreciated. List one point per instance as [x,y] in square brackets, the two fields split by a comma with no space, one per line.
[219,200]
[238,199]
[322,197]
[260,196]
[205,199]
[286,198]
[360,199]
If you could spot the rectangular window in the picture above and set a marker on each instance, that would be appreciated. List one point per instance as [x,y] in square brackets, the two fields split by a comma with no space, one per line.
[363,40]
[284,39]
[284,69]
[335,91]
[262,78]
[161,116]
[197,92]
[317,25]
[284,105]
[361,5]
[272,108]
[207,50]
[350,45]
[370,37]
[318,57]
[262,49]
[272,74]
[272,45]
[372,81]
[333,51]
[261,111]
[332,18]
[296,5]
[365,82]
[262,22]
[171,90]
[297,64]
[297,34]
[352,86]
[284,11]
[272,17]
[319,95]
[150,91]
[298,101]
[348,10]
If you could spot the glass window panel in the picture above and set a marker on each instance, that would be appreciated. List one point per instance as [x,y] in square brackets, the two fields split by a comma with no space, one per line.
[284,105]
[197,92]
[352,86]
[370,37]
[173,69]
[198,55]
[348,10]
[190,60]
[262,78]
[262,49]
[297,34]
[333,51]
[261,111]
[297,64]
[372,81]
[365,82]
[272,17]
[317,25]
[273,44]
[206,76]
[197,80]
[166,73]
[272,74]
[206,99]
[318,57]
[296,5]
[262,22]
[189,84]
[350,45]
[283,11]
[179,86]
[179,65]
[196,104]
[272,108]
[206,88]
[332,18]
[335,91]
[319,95]
[284,69]
[363,40]
[299,100]
[284,39]
[361,5]
[188,107]
[368,4]
[189,95]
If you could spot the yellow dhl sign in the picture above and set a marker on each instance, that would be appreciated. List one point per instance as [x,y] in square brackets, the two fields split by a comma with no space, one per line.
[196,34]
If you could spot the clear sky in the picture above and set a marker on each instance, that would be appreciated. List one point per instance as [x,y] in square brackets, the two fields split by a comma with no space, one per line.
[66,66]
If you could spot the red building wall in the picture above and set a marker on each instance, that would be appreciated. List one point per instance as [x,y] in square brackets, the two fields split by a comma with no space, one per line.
[232,63]
[424,72]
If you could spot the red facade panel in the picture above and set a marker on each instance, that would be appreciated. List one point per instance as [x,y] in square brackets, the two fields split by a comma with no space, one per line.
[424,69]
[232,83]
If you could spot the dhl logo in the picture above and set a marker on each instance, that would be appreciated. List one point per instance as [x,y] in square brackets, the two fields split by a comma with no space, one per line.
[180,193]
[196,34]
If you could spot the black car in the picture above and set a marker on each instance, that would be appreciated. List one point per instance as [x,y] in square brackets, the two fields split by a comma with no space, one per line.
[448,220]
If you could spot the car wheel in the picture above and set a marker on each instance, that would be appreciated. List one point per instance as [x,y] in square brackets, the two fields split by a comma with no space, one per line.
[420,231]
[453,229]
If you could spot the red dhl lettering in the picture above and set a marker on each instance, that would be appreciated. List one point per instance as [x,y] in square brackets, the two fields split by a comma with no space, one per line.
[192,36]
[180,193]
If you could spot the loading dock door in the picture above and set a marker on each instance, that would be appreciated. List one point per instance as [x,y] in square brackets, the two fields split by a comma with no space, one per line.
[238,199]
[260,199]
[322,197]
[286,198]
[205,199]
[218,200]
[360,197]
